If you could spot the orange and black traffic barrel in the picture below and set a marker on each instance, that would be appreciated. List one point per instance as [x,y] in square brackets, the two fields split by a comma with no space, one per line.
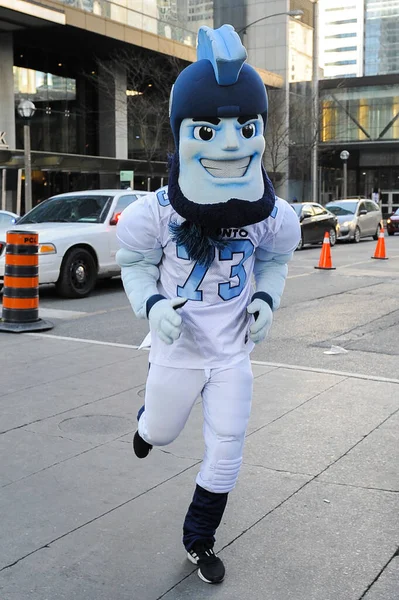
[21,284]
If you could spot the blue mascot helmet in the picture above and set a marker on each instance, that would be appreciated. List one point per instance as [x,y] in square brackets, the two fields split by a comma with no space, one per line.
[219,84]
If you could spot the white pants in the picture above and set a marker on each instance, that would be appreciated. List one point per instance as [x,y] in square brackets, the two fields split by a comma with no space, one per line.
[226,399]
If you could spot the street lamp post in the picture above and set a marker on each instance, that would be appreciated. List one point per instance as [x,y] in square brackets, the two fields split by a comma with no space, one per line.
[344,157]
[26,110]
[290,13]
[315,103]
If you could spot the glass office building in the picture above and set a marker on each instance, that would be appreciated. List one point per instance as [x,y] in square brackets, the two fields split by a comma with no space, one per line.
[95,116]
[381,45]
[361,117]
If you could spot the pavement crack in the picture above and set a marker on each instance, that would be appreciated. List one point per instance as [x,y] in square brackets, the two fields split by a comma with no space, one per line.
[364,437]
[62,437]
[357,487]
[297,406]
[394,555]
[179,455]
[30,387]
[274,470]
[64,412]
[65,459]
[104,514]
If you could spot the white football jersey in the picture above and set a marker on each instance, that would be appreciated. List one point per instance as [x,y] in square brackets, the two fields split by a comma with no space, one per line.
[215,329]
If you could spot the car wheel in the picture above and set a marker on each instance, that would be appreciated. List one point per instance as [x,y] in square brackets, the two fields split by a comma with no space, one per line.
[391,233]
[356,235]
[375,236]
[333,237]
[301,243]
[78,274]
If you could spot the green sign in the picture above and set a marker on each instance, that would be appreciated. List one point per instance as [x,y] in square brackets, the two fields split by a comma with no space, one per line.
[126,179]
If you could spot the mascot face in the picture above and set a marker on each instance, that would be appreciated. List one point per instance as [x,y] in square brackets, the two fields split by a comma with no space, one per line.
[221,158]
[218,113]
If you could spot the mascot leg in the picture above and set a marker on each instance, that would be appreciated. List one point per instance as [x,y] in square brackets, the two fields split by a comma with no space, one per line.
[169,397]
[227,399]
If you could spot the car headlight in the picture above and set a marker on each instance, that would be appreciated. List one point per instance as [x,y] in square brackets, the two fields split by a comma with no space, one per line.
[388,220]
[347,224]
[47,249]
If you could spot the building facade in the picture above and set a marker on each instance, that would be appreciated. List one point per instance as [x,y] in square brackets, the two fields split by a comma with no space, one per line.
[360,99]
[359,37]
[99,73]
[73,60]
[360,115]
[282,44]
[341,37]
[381,39]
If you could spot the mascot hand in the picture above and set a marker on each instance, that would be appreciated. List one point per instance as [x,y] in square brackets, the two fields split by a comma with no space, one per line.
[264,318]
[165,320]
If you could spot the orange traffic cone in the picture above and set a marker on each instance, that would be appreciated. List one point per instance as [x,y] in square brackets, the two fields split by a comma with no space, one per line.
[325,262]
[380,248]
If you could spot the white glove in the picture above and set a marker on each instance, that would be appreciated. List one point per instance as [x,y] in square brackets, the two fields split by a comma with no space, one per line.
[164,319]
[260,328]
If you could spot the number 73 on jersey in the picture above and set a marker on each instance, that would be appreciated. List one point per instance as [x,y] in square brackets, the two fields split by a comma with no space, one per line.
[226,290]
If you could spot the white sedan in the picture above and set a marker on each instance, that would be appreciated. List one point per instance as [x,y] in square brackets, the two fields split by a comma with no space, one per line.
[77,238]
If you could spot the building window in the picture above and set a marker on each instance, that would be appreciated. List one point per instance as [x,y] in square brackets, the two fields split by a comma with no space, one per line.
[341,36]
[340,63]
[343,49]
[343,22]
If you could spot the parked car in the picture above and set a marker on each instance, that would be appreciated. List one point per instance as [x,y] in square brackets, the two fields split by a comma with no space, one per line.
[393,223]
[315,221]
[77,238]
[7,220]
[357,218]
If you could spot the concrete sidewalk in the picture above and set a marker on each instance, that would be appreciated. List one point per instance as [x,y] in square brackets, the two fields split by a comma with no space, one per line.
[314,516]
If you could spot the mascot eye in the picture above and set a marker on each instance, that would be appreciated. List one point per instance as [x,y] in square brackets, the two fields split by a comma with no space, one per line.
[248,131]
[204,133]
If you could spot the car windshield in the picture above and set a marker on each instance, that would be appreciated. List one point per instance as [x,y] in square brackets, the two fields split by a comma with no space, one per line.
[342,208]
[396,213]
[69,209]
[297,208]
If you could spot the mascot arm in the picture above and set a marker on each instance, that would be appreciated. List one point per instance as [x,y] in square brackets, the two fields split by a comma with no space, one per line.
[270,273]
[273,255]
[140,274]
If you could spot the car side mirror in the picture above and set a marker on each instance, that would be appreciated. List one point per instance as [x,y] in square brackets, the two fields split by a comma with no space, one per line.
[305,215]
[363,212]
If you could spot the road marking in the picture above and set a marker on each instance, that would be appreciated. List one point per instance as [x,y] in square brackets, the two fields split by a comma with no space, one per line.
[58,313]
[372,273]
[325,371]
[84,341]
[254,362]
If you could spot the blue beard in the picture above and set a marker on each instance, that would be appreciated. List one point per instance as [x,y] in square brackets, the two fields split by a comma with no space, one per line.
[200,233]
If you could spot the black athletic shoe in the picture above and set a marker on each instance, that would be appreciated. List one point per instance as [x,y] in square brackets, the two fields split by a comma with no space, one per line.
[140,446]
[211,569]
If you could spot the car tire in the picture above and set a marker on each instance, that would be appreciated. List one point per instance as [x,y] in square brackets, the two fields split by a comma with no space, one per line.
[356,236]
[333,237]
[78,274]
[391,233]
[301,243]
[375,236]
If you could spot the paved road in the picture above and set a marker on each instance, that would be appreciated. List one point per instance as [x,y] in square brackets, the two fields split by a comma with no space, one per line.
[354,307]
[315,513]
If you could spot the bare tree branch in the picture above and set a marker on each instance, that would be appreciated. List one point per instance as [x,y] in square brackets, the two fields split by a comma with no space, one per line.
[149,79]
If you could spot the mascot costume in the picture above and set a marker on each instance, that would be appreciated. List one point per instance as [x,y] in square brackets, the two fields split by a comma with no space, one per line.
[188,253]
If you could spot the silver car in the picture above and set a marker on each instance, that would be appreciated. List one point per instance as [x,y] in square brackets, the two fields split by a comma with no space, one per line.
[356,219]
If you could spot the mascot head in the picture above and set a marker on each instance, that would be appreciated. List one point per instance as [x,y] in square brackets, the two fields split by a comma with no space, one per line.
[218,114]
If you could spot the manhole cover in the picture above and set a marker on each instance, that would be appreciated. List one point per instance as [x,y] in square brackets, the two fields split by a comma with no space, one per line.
[95,424]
